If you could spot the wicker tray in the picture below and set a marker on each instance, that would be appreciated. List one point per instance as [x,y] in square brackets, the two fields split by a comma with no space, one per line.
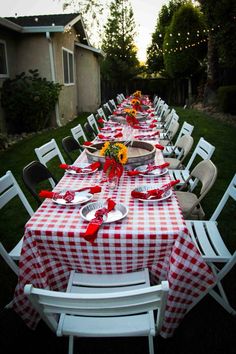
[140,153]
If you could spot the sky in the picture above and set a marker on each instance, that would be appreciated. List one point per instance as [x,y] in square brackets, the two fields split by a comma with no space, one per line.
[145,14]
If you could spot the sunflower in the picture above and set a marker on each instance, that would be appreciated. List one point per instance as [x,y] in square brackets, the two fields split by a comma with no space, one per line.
[104,149]
[122,154]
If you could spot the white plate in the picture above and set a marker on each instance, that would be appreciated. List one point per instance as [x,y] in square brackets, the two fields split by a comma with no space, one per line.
[88,211]
[150,187]
[81,165]
[80,197]
[155,173]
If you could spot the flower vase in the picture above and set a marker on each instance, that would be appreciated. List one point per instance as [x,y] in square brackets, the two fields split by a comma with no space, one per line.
[113,171]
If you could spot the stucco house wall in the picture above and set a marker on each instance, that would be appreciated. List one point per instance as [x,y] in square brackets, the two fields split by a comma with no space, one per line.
[88,80]
[68,97]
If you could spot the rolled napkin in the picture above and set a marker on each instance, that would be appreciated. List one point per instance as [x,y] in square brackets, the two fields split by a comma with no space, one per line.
[148,136]
[148,170]
[94,225]
[160,147]
[87,143]
[69,195]
[117,135]
[92,167]
[157,193]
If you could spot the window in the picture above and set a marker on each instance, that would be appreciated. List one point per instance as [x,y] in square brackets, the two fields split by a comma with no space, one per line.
[3,60]
[68,67]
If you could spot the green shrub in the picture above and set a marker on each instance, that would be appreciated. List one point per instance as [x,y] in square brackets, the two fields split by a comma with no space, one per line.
[28,101]
[226,97]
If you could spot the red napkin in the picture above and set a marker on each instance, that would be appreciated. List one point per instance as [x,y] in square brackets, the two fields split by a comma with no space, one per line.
[69,194]
[159,146]
[152,126]
[118,135]
[147,136]
[149,169]
[87,143]
[93,166]
[156,193]
[94,225]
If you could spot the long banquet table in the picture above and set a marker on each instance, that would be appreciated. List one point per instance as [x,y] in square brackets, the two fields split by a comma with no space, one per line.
[152,235]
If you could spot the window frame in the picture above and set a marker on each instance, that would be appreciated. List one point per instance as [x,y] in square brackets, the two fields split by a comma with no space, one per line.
[70,66]
[6,75]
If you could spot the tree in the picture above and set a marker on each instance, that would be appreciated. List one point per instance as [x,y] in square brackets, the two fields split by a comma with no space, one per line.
[120,63]
[154,51]
[221,20]
[91,11]
[184,43]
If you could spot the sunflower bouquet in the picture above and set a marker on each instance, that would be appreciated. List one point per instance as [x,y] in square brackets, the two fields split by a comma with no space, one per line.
[116,155]
[131,117]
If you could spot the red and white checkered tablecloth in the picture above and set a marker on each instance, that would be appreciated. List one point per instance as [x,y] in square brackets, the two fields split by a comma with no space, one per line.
[152,235]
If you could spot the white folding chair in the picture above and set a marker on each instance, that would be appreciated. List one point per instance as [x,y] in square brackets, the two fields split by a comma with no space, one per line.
[113,103]
[211,245]
[48,151]
[170,150]
[108,107]
[204,150]
[93,123]
[115,305]
[78,133]
[101,113]
[9,189]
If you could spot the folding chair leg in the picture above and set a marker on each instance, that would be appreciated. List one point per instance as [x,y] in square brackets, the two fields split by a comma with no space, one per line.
[71,345]
[150,342]
[221,298]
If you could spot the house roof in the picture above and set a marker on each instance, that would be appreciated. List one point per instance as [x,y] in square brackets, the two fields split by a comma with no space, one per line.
[44,20]
[47,23]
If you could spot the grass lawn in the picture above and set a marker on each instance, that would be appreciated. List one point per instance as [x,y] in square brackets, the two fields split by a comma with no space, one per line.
[206,329]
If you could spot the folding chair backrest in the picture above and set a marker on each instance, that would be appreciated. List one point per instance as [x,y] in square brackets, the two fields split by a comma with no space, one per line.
[48,151]
[184,144]
[203,149]
[101,113]
[172,129]
[92,121]
[113,103]
[185,129]
[34,174]
[230,192]
[205,172]
[119,99]
[9,188]
[78,133]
